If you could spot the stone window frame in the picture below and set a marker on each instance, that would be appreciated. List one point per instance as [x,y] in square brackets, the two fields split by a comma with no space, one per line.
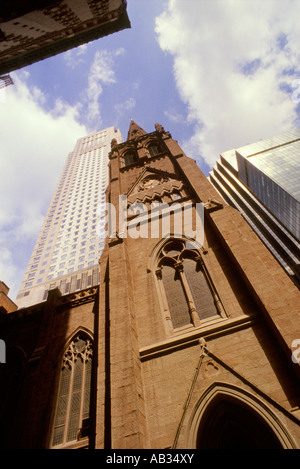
[151,144]
[155,266]
[127,152]
[68,360]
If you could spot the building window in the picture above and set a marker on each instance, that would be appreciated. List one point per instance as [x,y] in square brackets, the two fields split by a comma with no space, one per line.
[154,149]
[189,297]
[130,157]
[71,422]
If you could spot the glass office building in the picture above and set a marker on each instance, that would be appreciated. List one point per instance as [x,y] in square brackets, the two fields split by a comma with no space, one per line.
[71,240]
[262,180]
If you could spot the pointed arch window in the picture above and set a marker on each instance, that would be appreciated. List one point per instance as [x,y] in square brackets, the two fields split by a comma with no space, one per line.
[189,296]
[130,157]
[154,149]
[71,422]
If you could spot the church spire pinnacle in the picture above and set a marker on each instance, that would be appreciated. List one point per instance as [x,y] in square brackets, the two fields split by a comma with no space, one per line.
[135,130]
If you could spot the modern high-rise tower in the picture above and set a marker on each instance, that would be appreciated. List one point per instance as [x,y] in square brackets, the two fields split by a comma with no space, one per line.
[70,241]
[261,180]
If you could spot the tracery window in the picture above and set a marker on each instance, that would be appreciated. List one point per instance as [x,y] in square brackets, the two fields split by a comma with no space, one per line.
[73,407]
[188,294]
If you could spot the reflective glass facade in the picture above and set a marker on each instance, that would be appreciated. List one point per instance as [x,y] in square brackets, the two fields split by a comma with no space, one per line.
[262,181]
[271,171]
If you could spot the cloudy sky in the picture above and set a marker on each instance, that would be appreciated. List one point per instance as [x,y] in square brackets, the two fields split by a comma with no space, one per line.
[217,74]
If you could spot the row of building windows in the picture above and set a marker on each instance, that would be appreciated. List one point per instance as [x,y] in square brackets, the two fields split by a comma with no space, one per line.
[82,257]
[73,212]
[62,272]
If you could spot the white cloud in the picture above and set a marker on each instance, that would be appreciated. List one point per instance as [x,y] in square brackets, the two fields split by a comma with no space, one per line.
[174,116]
[230,65]
[73,56]
[123,109]
[101,73]
[8,270]
[33,149]
[34,144]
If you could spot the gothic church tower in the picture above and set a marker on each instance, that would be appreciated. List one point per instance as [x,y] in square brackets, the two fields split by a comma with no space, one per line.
[195,338]
[190,341]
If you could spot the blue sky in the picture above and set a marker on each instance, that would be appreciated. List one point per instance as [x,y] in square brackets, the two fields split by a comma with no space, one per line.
[217,74]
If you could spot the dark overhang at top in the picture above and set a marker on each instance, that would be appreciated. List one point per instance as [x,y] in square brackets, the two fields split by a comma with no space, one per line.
[35,30]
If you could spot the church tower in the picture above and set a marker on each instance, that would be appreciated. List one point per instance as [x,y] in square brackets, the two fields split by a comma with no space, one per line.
[196,332]
[191,340]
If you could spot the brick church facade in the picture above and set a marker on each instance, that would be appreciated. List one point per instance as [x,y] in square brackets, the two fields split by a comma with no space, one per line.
[184,344]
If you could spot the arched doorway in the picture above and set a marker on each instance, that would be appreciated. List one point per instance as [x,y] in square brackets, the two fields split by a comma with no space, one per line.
[229,417]
[228,424]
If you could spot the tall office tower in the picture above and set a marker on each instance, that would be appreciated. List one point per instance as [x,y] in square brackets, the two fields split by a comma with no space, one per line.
[262,181]
[71,239]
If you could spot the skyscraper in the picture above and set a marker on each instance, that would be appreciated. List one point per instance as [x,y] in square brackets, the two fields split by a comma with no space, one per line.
[262,181]
[69,244]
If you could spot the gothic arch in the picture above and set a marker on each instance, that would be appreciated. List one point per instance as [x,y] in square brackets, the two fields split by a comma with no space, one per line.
[185,289]
[154,147]
[153,258]
[228,417]
[78,330]
[70,422]
[129,157]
